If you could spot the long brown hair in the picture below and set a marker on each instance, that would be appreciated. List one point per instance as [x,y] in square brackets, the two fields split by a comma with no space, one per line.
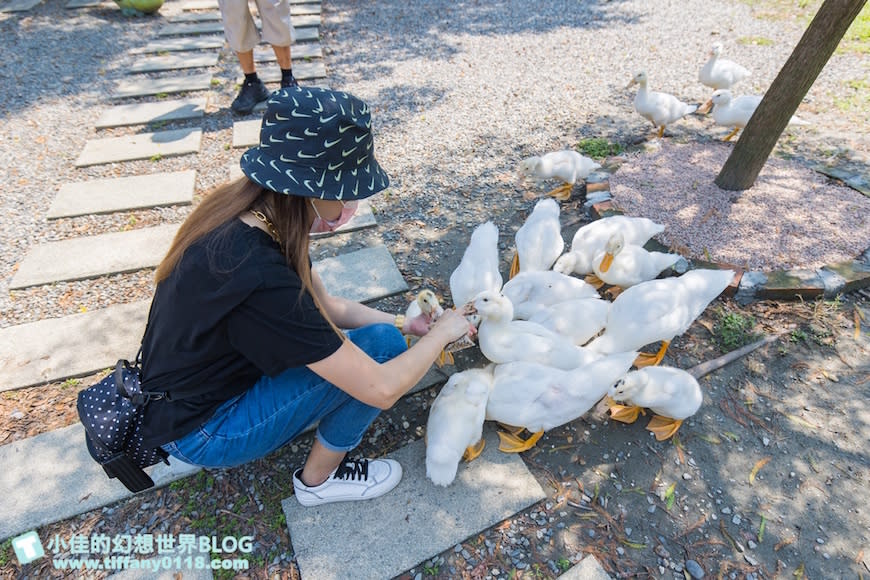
[291,215]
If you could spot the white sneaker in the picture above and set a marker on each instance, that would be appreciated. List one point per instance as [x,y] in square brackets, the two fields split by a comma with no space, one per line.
[353,480]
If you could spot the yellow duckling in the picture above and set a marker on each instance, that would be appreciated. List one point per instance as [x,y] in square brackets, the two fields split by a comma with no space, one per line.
[455,425]
[672,394]
[539,240]
[539,398]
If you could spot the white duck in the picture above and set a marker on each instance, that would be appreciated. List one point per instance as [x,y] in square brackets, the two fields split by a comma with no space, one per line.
[661,109]
[503,339]
[721,73]
[578,320]
[455,425]
[658,310]
[590,239]
[567,166]
[539,240]
[478,269]
[672,394]
[539,398]
[625,265]
[729,111]
[532,291]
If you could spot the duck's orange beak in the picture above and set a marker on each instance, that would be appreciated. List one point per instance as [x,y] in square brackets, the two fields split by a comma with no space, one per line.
[606,262]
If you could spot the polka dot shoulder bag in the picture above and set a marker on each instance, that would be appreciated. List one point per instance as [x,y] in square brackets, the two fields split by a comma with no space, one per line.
[111,413]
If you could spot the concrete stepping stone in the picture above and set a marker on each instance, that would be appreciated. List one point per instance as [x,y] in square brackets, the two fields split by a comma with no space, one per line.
[173,62]
[77,345]
[307,34]
[200,5]
[85,3]
[363,276]
[305,20]
[125,193]
[140,146]
[413,522]
[298,51]
[246,133]
[303,71]
[300,9]
[587,569]
[19,5]
[54,349]
[196,17]
[52,477]
[158,112]
[191,28]
[93,256]
[179,44]
[148,86]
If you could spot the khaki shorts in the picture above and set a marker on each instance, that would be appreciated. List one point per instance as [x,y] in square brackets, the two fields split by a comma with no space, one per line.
[241,32]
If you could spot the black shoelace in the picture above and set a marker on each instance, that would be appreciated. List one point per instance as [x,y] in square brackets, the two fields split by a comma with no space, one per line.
[353,469]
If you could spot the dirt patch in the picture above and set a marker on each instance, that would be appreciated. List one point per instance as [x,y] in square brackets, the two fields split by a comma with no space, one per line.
[792,217]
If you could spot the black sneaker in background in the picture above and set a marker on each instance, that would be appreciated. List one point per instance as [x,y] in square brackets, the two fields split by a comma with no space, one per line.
[250,94]
[289,82]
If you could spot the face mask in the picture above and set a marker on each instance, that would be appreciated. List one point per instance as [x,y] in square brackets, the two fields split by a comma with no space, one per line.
[321,225]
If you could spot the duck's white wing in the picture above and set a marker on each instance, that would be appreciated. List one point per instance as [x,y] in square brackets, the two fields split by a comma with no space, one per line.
[455,423]
[478,269]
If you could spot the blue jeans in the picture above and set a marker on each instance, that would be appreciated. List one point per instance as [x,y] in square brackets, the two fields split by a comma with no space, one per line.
[277,409]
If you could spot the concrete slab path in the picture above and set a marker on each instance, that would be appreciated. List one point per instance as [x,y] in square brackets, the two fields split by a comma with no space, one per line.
[93,256]
[587,569]
[52,477]
[77,345]
[81,344]
[177,44]
[173,62]
[147,86]
[140,146]
[147,113]
[303,71]
[414,521]
[365,275]
[299,51]
[19,5]
[124,193]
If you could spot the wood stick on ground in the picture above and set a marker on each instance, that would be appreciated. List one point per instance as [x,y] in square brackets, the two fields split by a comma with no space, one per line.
[707,367]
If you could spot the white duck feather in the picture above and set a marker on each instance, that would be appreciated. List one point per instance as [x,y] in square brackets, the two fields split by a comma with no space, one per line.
[539,240]
[721,73]
[478,269]
[531,291]
[661,109]
[567,166]
[503,339]
[578,320]
[589,241]
[625,265]
[456,422]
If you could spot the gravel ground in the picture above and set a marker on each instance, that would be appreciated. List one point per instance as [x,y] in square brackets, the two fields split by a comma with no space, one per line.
[461,92]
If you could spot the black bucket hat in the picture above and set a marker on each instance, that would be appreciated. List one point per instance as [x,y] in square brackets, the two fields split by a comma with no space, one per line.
[316,143]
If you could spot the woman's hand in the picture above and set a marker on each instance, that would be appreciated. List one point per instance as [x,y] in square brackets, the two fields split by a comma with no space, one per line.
[453,326]
[418,326]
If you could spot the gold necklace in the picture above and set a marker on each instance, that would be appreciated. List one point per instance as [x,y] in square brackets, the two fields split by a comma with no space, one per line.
[272,231]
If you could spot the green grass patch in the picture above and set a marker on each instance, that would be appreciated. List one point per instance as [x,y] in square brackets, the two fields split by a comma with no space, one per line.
[755,41]
[599,148]
[857,37]
[733,330]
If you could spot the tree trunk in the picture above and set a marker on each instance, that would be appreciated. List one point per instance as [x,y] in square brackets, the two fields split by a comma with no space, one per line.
[785,94]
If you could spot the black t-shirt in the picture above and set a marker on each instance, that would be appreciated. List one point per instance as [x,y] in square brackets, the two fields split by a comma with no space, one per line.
[229,313]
